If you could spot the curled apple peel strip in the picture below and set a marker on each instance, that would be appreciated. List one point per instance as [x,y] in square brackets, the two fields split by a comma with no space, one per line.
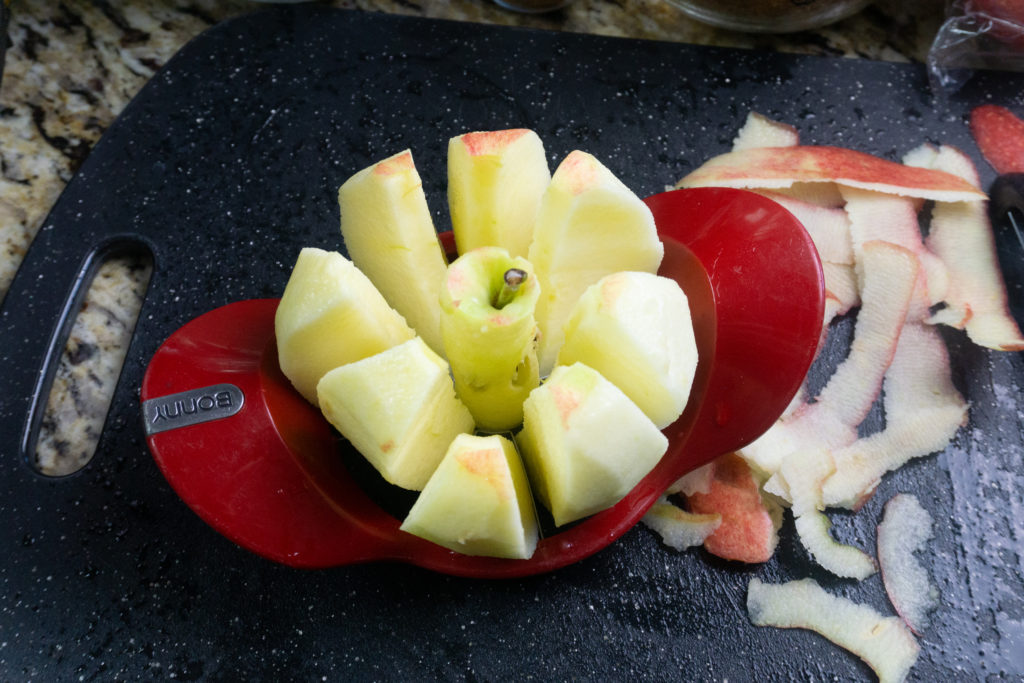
[961,235]
[884,643]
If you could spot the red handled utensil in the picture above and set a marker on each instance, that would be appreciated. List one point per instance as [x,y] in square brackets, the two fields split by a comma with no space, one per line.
[261,465]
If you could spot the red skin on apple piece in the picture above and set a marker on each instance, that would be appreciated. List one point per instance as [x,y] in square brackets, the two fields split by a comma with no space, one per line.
[747,532]
[492,141]
[999,134]
[780,167]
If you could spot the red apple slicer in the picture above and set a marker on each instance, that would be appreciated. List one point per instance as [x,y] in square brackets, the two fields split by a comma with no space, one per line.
[265,469]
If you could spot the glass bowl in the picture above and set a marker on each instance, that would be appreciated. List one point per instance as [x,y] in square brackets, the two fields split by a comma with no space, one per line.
[769,16]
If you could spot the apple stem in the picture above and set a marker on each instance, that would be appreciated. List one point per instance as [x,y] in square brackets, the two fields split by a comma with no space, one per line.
[513,279]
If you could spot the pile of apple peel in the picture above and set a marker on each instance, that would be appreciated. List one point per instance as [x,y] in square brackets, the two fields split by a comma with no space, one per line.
[540,365]
[864,215]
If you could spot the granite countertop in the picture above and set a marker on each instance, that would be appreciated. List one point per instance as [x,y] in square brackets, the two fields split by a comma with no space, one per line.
[72,67]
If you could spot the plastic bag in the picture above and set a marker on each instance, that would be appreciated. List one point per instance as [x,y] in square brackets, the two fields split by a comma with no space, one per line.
[977,34]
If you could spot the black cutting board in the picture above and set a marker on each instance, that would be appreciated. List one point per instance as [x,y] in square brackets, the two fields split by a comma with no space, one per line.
[228,162]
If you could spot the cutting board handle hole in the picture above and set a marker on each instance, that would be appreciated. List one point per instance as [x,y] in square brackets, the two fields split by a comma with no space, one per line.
[85,357]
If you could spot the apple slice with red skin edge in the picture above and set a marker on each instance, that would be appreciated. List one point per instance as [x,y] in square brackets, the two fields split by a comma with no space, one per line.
[678,528]
[888,282]
[495,183]
[589,225]
[330,315]
[923,412]
[999,134]
[828,227]
[883,643]
[398,409]
[749,529]
[961,236]
[804,471]
[271,479]
[635,329]
[576,466]
[906,528]
[760,131]
[780,167]
[477,502]
[389,234]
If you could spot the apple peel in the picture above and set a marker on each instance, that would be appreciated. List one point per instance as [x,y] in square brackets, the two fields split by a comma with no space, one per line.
[883,643]
[961,235]
[678,528]
[828,227]
[749,528]
[906,528]
[999,134]
[923,413]
[760,131]
[804,472]
[781,167]
[889,274]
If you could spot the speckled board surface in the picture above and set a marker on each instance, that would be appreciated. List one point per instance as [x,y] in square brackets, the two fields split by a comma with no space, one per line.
[228,162]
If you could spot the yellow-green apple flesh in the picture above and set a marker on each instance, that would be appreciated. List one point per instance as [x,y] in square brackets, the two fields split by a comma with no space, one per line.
[390,236]
[585,444]
[635,329]
[490,334]
[781,167]
[495,183]
[478,501]
[398,408]
[883,643]
[330,314]
[589,225]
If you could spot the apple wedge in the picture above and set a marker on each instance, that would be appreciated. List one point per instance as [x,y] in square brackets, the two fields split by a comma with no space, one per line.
[635,329]
[883,643]
[495,183]
[589,225]
[398,408]
[478,501]
[577,465]
[490,334]
[330,314]
[781,167]
[906,528]
[678,528]
[390,236]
